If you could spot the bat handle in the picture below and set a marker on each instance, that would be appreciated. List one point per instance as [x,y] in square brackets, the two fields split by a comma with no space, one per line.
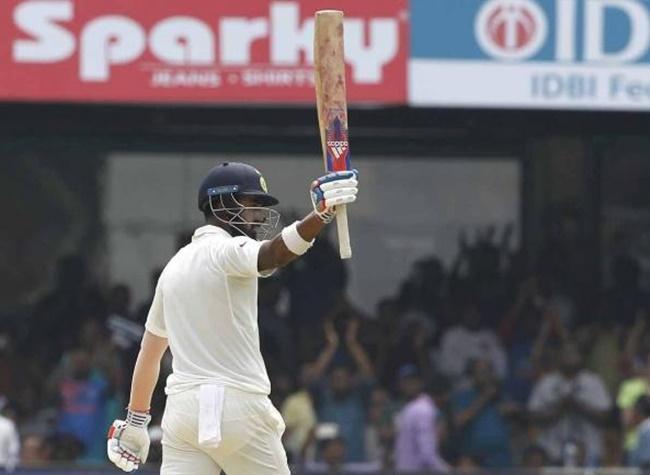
[345,250]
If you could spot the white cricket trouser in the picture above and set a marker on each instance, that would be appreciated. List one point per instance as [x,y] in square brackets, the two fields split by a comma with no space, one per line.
[251,431]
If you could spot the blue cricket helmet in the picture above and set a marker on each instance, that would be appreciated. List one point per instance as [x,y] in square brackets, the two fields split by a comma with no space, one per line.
[236,179]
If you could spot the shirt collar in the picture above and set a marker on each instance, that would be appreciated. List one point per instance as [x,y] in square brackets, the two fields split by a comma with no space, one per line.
[209,229]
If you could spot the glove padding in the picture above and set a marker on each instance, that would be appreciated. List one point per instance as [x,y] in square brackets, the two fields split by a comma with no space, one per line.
[331,190]
[128,441]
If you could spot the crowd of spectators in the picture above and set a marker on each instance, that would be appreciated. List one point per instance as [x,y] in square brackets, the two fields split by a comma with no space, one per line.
[484,364]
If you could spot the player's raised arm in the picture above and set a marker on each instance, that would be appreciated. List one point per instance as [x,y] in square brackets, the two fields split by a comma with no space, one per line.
[327,192]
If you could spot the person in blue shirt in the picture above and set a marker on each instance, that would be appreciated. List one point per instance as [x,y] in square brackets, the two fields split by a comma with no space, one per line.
[342,397]
[479,415]
[83,395]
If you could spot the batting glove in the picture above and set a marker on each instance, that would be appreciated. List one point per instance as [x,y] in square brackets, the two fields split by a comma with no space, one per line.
[128,441]
[337,188]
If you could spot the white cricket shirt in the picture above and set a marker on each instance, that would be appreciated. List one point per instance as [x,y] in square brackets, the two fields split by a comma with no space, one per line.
[206,306]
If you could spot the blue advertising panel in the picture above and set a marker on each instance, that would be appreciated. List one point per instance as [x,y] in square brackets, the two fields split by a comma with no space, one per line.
[558,54]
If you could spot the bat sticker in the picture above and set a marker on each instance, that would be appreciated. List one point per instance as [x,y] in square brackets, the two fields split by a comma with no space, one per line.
[338,150]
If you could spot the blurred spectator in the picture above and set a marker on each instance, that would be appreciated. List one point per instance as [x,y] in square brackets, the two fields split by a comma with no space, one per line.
[640,454]
[564,264]
[35,451]
[342,399]
[629,392]
[380,431]
[625,297]
[481,267]
[334,460]
[603,339]
[402,340]
[82,393]
[423,290]
[275,337]
[467,464]
[416,432]
[637,347]
[520,329]
[574,454]
[552,337]
[441,392]
[125,332]
[570,406]
[315,283]
[300,419]
[94,339]
[61,310]
[66,448]
[9,442]
[480,413]
[119,301]
[534,457]
[470,340]
[107,363]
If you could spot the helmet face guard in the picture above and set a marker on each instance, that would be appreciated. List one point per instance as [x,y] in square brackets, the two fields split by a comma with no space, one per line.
[265,220]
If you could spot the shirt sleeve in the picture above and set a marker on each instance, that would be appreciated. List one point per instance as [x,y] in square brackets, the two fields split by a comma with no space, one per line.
[156,319]
[238,257]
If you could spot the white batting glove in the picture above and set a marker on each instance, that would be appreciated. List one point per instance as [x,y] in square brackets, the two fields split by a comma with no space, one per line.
[328,191]
[128,441]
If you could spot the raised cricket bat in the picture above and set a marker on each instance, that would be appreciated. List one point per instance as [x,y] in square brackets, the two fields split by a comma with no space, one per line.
[332,106]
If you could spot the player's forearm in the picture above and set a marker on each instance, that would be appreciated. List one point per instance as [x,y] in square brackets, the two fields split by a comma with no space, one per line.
[323,361]
[310,227]
[275,253]
[145,377]
[146,372]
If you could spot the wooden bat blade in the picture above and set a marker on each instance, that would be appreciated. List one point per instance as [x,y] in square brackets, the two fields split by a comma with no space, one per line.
[331,102]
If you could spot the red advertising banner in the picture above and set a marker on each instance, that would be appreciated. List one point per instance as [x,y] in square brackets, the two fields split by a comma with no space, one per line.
[194,51]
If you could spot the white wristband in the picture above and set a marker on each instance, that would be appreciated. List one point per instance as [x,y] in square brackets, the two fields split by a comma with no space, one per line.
[294,242]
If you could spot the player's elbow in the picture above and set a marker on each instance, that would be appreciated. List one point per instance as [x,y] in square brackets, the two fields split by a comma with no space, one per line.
[273,255]
[285,256]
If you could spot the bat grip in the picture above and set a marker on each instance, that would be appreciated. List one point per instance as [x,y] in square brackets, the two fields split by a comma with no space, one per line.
[345,250]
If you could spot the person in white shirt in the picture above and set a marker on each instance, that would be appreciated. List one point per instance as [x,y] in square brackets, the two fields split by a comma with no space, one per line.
[9,444]
[571,406]
[218,414]
[468,341]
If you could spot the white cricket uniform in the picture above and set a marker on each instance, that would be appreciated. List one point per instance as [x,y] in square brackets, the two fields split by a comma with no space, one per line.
[206,306]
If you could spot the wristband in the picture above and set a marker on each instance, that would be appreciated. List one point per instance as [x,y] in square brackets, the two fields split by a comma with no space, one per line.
[137,419]
[294,242]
